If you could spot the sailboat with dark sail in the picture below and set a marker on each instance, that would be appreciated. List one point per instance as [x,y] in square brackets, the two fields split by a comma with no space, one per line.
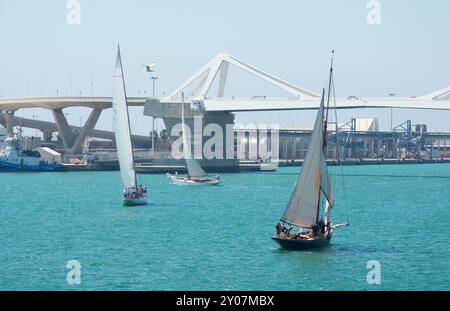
[196,174]
[312,195]
[132,193]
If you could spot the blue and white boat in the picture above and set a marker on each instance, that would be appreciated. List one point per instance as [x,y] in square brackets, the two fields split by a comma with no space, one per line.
[14,158]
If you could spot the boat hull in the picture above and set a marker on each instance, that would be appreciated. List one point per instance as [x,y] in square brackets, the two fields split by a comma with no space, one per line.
[302,244]
[191,182]
[13,167]
[135,201]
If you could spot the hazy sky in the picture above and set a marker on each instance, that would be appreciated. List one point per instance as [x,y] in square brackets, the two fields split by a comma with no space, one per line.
[408,53]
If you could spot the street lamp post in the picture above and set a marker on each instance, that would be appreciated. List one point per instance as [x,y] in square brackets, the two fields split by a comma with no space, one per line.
[151,69]
[153,119]
[392,112]
[154,80]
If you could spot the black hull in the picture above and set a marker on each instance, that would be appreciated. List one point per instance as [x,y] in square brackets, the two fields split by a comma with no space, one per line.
[302,244]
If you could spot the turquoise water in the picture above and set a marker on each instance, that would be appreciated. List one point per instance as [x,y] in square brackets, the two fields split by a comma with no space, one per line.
[218,238]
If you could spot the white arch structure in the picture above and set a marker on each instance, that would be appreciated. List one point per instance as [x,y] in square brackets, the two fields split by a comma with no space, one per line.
[302,99]
[218,66]
[443,94]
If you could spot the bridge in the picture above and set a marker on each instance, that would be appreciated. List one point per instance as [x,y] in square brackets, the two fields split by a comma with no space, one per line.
[52,127]
[72,144]
[200,92]
[217,108]
[54,103]
[299,99]
[258,104]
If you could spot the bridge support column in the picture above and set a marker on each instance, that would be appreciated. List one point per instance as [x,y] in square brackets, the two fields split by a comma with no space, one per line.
[64,129]
[171,114]
[86,131]
[9,122]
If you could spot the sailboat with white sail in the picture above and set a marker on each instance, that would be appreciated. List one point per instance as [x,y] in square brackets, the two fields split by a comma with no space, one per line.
[132,193]
[312,195]
[196,175]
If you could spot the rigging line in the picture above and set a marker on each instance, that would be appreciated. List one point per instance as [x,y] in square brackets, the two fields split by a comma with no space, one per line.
[338,153]
[128,118]
[332,91]
[325,126]
[328,104]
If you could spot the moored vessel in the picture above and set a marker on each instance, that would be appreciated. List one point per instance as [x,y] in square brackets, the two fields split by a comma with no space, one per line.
[14,158]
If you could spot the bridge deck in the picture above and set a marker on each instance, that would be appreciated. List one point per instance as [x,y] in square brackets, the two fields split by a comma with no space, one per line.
[229,104]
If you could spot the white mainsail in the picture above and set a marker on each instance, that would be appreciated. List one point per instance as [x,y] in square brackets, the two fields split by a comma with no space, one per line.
[303,207]
[194,168]
[122,127]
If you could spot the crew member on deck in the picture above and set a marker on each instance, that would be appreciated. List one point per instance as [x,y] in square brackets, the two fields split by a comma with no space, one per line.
[315,230]
[279,228]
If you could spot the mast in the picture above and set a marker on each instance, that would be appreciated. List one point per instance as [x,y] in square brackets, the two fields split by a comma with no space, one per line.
[325,133]
[183,125]
[128,117]
[325,125]
[319,192]
[328,104]
[125,150]
[303,209]
[193,166]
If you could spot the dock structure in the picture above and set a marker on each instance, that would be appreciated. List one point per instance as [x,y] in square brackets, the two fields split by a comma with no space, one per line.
[407,144]
[369,145]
